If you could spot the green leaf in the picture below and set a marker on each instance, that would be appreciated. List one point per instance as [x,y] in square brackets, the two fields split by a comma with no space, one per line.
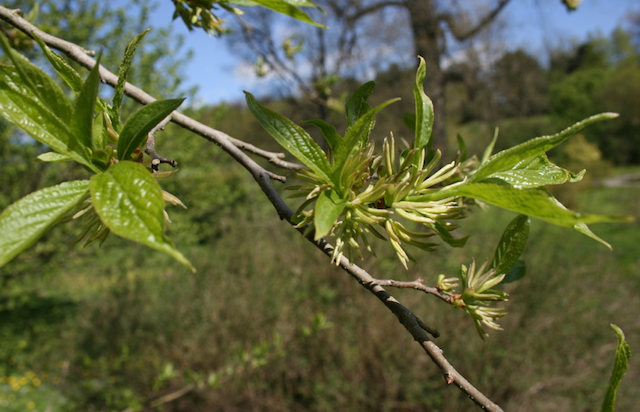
[353,107]
[536,172]
[302,3]
[297,3]
[82,120]
[25,221]
[357,135]
[328,131]
[623,354]
[517,272]
[328,209]
[68,74]
[507,159]
[42,86]
[129,202]
[511,244]
[123,72]
[537,203]
[135,131]
[292,137]
[22,108]
[99,132]
[446,236]
[584,229]
[289,9]
[424,109]
[54,157]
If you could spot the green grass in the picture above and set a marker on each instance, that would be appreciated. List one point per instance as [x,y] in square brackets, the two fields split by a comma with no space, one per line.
[105,324]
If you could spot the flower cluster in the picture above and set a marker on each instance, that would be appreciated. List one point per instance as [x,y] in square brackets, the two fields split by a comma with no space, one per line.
[380,190]
[478,295]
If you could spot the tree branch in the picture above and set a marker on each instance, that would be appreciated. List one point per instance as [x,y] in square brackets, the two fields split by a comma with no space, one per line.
[372,9]
[263,177]
[459,33]
[416,284]
[271,58]
[150,147]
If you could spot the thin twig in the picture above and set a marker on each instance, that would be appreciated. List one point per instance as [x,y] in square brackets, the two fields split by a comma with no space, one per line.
[150,147]
[416,284]
[462,34]
[263,178]
[172,396]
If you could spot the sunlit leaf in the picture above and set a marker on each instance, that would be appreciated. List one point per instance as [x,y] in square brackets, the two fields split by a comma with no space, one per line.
[356,135]
[537,203]
[129,202]
[584,229]
[123,72]
[292,137]
[68,74]
[536,172]
[42,86]
[54,157]
[82,120]
[507,159]
[25,221]
[424,109]
[328,208]
[135,131]
[288,8]
[22,108]
[99,132]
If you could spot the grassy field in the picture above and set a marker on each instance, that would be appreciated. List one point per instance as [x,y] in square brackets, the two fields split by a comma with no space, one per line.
[267,324]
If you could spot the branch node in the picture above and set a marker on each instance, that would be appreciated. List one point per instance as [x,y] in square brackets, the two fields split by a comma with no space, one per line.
[433,332]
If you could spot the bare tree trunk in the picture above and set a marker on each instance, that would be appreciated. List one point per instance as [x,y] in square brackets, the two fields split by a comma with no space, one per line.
[429,43]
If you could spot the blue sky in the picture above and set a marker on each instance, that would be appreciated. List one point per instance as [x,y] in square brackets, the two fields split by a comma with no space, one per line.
[532,25]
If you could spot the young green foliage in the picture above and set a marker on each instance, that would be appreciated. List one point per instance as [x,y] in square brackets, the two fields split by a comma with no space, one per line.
[25,221]
[129,202]
[125,197]
[134,132]
[68,74]
[424,109]
[374,190]
[292,137]
[123,72]
[82,118]
[200,13]
[620,365]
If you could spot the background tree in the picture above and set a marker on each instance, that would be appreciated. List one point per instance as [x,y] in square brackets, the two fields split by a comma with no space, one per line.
[599,72]
[400,29]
